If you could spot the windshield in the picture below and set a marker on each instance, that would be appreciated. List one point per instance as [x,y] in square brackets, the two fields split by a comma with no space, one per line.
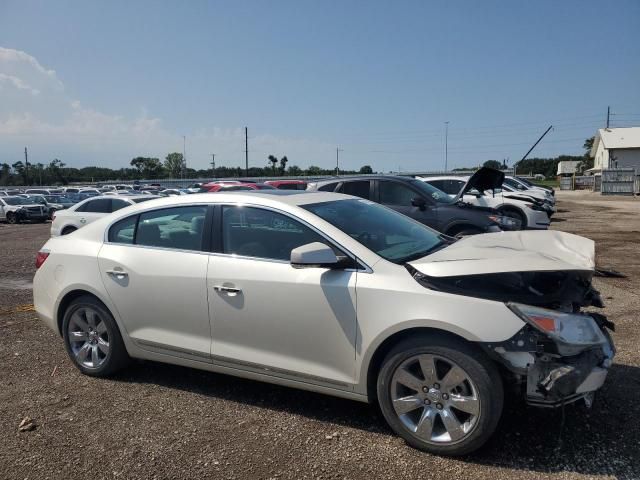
[432,192]
[391,235]
[18,201]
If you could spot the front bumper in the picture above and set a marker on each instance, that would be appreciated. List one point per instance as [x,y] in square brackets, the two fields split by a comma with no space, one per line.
[538,220]
[552,375]
[27,216]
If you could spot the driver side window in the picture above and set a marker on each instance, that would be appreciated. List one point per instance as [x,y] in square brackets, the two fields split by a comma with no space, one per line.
[395,193]
[255,232]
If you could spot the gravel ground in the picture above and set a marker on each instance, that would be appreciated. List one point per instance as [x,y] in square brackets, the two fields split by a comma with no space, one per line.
[159,421]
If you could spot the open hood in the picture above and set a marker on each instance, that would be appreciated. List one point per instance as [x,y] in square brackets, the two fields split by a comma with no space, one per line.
[483,180]
[522,251]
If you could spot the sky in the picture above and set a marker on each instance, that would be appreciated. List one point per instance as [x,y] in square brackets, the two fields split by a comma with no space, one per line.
[99,83]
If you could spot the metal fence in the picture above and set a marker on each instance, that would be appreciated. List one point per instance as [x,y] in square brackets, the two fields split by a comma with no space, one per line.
[619,181]
[583,182]
[566,183]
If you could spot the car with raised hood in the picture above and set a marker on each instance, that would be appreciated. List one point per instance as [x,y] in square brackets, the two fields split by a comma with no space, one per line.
[483,189]
[16,209]
[83,213]
[422,202]
[338,295]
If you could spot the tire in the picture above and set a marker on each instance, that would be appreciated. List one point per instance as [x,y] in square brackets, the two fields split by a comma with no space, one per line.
[68,230]
[12,218]
[92,338]
[512,213]
[418,414]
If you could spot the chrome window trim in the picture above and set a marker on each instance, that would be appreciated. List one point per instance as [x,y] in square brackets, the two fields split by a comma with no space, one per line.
[105,237]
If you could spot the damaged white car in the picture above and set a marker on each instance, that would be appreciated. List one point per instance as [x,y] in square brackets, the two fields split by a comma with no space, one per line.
[338,295]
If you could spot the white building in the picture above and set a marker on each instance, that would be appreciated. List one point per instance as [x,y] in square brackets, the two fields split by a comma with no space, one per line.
[567,167]
[616,148]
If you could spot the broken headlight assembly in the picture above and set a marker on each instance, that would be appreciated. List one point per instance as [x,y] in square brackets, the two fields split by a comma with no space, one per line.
[571,328]
[506,223]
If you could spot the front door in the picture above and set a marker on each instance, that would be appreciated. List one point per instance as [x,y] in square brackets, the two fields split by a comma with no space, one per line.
[399,196]
[271,318]
[154,268]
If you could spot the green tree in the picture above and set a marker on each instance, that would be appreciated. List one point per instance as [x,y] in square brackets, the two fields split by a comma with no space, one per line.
[274,161]
[174,163]
[147,167]
[283,165]
[366,170]
[492,164]
[313,170]
[294,171]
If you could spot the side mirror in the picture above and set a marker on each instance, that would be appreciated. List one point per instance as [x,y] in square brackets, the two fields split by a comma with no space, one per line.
[314,254]
[419,202]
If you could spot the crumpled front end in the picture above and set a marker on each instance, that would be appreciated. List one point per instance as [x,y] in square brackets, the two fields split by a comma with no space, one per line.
[554,372]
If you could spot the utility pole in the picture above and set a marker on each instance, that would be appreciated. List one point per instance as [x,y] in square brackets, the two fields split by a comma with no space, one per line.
[26,167]
[537,142]
[246,152]
[608,115]
[213,164]
[338,150]
[446,145]
[184,156]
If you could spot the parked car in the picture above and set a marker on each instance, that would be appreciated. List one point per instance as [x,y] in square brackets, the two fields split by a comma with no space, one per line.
[232,186]
[421,202]
[517,185]
[471,190]
[540,198]
[90,210]
[19,209]
[439,327]
[529,184]
[50,207]
[288,184]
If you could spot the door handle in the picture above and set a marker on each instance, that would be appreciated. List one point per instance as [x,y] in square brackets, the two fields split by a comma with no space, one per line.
[119,274]
[229,290]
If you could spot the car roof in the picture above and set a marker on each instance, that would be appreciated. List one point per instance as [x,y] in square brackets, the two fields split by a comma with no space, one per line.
[400,178]
[445,177]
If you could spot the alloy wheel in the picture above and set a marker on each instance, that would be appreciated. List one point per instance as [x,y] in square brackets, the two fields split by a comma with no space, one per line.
[435,399]
[88,338]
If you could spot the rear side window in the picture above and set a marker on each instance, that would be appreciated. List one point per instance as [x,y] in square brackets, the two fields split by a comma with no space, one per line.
[357,189]
[292,186]
[99,205]
[124,230]
[178,227]
[117,204]
[329,187]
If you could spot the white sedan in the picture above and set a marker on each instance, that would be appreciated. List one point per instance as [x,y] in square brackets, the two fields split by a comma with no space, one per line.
[334,294]
[89,210]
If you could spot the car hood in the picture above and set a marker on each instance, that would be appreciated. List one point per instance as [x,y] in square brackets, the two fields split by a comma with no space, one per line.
[484,179]
[522,251]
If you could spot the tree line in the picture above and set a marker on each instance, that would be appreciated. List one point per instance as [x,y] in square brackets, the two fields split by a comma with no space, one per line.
[57,172]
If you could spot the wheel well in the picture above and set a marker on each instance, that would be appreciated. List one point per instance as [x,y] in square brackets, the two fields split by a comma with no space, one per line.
[66,301]
[68,228]
[383,349]
[511,208]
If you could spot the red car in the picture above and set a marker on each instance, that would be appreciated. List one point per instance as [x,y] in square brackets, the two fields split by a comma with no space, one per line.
[287,184]
[229,187]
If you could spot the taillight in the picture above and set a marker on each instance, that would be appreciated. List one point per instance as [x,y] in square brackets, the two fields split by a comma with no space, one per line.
[41,257]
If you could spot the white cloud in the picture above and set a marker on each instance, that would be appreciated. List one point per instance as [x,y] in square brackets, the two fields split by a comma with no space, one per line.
[35,110]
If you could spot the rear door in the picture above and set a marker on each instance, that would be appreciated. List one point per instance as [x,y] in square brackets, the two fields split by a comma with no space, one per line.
[154,267]
[357,188]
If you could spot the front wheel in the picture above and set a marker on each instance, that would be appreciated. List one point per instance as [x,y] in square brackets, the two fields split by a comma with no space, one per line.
[508,212]
[440,394]
[12,218]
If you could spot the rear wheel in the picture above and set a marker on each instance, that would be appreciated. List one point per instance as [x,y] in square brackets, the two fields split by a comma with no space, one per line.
[440,394]
[92,338]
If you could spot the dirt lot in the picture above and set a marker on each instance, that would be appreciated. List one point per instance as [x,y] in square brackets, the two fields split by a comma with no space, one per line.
[158,421]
